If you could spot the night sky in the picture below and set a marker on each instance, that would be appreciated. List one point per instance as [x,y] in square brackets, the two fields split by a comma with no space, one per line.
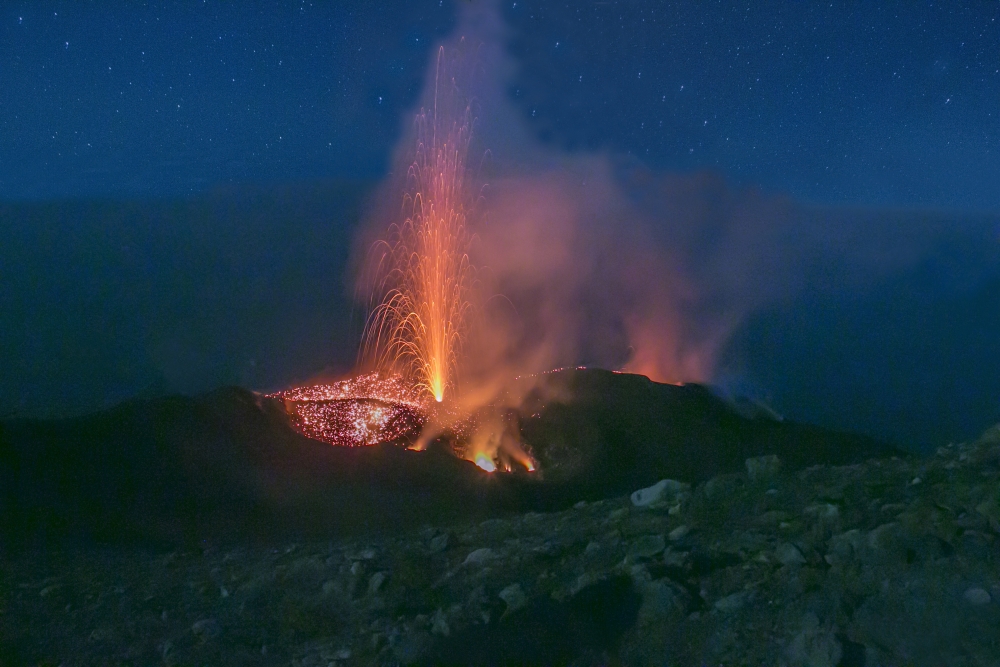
[182,181]
[891,103]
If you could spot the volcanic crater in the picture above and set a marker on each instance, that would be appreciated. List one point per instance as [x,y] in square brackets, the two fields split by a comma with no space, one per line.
[663,523]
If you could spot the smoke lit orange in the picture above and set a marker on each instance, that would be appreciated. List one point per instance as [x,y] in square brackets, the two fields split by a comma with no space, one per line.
[423,267]
[421,285]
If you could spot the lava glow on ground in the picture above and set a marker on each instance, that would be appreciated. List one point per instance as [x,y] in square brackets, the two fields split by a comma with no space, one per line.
[485,462]
[357,412]
[371,409]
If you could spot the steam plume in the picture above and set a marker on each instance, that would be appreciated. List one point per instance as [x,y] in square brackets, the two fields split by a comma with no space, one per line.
[591,258]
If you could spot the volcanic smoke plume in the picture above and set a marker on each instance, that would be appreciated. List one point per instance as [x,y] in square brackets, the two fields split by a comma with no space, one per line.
[504,265]
[509,258]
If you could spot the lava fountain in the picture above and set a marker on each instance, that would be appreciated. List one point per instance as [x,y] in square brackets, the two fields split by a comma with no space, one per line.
[423,269]
[421,284]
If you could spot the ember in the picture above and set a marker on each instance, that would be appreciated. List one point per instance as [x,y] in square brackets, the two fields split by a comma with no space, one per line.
[361,411]
[371,409]
[423,273]
[389,389]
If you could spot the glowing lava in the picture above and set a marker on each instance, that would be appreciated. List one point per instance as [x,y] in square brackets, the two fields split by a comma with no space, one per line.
[424,269]
[390,389]
[422,295]
[371,409]
[485,462]
[361,411]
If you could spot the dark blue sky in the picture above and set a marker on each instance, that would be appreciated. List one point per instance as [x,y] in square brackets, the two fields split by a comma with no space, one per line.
[182,183]
[168,98]
[894,103]
[888,103]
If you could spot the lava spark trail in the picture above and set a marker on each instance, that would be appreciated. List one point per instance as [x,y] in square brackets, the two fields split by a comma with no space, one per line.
[425,276]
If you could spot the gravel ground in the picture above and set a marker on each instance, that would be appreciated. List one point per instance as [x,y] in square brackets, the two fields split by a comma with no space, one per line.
[890,562]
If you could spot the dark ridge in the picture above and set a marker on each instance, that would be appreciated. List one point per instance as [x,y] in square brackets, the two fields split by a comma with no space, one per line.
[227,465]
[626,428]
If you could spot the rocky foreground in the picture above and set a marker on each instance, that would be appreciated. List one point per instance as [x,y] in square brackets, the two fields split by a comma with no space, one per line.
[894,561]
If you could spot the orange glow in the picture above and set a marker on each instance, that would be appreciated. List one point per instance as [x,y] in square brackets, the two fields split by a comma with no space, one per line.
[423,288]
[371,409]
[495,444]
[391,389]
[485,462]
[423,268]
[361,411]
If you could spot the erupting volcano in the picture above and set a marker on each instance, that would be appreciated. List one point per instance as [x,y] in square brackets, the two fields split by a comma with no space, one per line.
[421,282]
[423,268]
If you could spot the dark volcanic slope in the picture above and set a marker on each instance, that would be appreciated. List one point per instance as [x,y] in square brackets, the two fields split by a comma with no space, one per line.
[615,432]
[227,466]
[220,466]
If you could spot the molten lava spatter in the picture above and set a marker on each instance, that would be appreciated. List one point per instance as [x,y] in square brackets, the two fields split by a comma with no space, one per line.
[390,389]
[423,268]
[372,409]
[422,285]
[364,410]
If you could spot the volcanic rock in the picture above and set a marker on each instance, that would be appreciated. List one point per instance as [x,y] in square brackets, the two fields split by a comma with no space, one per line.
[763,468]
[646,546]
[789,554]
[228,466]
[900,574]
[514,597]
[659,492]
[479,557]
[205,629]
[977,597]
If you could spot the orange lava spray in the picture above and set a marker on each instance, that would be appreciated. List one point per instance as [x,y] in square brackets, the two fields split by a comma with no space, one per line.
[424,268]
